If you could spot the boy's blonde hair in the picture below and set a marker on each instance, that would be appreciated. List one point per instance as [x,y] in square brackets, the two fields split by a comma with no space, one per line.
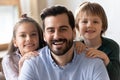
[93,9]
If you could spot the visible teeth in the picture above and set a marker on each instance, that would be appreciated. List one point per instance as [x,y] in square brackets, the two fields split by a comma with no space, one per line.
[29,45]
[58,42]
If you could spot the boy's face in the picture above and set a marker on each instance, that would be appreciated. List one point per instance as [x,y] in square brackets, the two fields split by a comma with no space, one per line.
[27,38]
[58,34]
[90,26]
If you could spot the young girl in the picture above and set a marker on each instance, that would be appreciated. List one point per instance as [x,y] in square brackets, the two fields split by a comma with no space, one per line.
[91,22]
[27,37]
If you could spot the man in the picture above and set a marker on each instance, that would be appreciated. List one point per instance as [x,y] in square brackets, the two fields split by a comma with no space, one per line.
[59,60]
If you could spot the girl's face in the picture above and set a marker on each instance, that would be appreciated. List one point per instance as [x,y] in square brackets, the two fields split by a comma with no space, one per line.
[90,26]
[27,38]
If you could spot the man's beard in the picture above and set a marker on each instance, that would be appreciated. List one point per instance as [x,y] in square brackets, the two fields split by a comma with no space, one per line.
[60,52]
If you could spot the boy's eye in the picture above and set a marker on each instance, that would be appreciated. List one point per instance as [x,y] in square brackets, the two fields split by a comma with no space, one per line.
[84,21]
[95,21]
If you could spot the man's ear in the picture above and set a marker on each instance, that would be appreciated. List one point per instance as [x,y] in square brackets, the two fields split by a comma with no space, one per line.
[44,37]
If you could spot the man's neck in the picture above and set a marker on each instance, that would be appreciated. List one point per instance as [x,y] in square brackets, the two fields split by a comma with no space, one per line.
[64,59]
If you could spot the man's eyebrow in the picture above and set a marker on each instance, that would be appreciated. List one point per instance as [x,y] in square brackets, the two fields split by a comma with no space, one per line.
[63,26]
[50,28]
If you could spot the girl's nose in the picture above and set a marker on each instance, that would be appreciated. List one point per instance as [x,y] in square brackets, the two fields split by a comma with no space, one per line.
[28,38]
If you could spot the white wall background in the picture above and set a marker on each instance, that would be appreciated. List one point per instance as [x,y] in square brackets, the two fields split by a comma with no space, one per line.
[111,8]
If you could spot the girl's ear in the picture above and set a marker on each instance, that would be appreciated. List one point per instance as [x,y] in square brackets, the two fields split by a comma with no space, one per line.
[14,42]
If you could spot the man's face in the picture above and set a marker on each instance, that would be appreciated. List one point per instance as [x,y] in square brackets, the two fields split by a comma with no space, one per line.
[58,34]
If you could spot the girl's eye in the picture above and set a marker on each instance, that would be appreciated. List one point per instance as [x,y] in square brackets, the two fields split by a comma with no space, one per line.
[33,34]
[22,35]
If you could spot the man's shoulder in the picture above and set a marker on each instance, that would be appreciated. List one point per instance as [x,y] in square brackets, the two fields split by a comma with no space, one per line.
[44,49]
[92,66]
[43,53]
[90,61]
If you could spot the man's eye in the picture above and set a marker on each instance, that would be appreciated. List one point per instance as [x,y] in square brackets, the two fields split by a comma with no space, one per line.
[63,29]
[50,30]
